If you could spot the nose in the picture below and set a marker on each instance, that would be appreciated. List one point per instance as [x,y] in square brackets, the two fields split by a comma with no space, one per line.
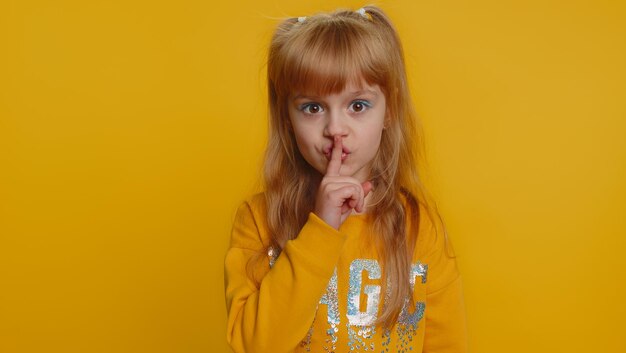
[336,124]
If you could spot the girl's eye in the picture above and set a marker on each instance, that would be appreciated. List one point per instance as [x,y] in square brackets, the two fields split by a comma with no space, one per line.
[311,108]
[359,106]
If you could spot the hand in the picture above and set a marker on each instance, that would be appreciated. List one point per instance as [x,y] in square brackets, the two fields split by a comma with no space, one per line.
[338,195]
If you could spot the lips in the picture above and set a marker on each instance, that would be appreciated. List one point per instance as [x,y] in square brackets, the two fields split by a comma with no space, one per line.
[328,150]
[343,156]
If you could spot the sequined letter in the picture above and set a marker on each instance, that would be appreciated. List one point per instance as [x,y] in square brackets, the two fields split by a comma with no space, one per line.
[355,316]
[412,319]
[330,299]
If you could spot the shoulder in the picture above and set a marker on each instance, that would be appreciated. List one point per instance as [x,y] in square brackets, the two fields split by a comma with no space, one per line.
[249,226]
[432,235]
[421,226]
[253,206]
[434,249]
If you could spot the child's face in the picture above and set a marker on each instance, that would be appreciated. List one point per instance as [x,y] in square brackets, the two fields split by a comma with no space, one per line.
[357,114]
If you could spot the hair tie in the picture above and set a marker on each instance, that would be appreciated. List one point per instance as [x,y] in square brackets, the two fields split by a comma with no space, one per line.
[360,11]
[363,13]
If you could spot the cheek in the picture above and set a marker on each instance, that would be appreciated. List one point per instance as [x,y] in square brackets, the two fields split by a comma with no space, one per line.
[301,147]
[301,139]
[375,139]
[304,143]
[375,135]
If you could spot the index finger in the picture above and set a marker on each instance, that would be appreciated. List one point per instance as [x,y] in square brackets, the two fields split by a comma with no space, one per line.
[334,165]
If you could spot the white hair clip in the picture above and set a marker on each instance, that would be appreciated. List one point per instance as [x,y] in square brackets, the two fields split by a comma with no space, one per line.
[301,19]
[362,12]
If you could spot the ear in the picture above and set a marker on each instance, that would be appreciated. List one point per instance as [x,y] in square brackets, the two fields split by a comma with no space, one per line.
[386,122]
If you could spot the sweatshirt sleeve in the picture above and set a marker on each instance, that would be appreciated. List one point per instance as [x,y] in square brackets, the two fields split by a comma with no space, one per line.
[446,328]
[276,314]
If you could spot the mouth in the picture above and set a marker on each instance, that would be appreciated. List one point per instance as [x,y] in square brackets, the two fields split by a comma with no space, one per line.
[328,150]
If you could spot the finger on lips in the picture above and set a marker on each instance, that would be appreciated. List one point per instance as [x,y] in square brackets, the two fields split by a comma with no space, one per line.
[351,191]
[334,165]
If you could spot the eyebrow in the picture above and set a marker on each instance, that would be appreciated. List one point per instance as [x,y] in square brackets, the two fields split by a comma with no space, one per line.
[355,93]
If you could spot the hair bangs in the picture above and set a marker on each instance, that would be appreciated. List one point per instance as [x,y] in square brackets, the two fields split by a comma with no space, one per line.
[327,57]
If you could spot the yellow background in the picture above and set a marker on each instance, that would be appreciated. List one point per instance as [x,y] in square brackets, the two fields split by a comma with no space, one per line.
[130,131]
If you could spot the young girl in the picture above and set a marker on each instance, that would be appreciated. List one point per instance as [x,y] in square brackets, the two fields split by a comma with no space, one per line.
[341,253]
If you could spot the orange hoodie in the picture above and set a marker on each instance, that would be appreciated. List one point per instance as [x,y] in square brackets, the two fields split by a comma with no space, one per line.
[323,292]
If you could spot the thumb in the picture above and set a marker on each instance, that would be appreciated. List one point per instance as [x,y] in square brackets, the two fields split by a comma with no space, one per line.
[367,187]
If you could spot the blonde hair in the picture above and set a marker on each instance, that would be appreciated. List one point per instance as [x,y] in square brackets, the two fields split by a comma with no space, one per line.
[322,54]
